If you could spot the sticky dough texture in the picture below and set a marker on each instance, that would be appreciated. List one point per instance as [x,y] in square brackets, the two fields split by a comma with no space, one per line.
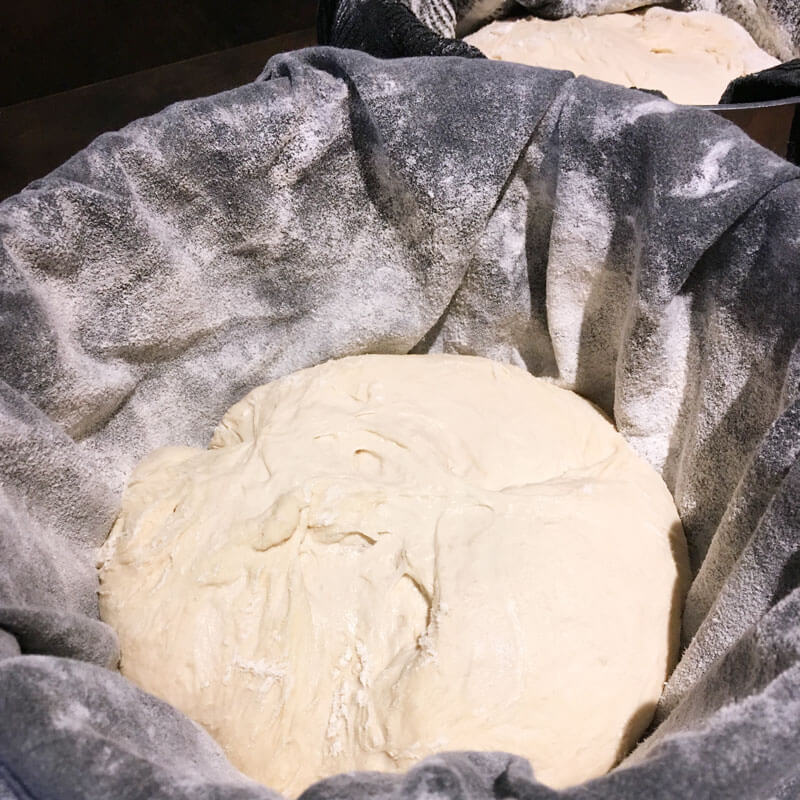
[388,556]
[689,56]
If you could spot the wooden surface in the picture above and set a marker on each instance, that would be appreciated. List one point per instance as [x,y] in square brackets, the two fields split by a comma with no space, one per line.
[38,135]
[49,46]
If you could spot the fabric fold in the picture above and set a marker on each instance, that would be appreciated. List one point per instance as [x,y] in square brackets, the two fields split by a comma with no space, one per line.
[642,254]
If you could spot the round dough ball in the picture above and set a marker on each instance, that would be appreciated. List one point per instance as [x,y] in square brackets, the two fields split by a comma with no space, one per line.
[691,56]
[385,557]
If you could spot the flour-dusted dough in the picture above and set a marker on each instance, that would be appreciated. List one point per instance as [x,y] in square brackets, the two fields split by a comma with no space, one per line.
[690,56]
[387,556]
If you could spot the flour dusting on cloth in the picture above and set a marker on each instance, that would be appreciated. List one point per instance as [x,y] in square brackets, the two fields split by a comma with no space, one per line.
[639,253]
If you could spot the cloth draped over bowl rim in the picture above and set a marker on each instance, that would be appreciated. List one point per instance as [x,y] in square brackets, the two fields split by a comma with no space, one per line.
[642,254]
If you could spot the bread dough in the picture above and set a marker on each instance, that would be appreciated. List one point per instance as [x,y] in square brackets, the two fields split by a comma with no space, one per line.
[388,556]
[689,56]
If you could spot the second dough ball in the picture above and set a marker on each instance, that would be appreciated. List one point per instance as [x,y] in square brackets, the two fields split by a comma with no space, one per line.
[689,56]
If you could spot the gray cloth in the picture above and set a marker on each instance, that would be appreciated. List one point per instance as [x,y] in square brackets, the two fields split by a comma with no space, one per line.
[774,24]
[386,29]
[640,253]
[74,731]
[383,28]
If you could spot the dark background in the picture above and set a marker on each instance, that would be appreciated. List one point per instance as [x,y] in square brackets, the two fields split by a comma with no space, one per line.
[72,69]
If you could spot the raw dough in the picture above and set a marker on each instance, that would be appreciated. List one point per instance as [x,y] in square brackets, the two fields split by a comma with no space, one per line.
[690,56]
[387,556]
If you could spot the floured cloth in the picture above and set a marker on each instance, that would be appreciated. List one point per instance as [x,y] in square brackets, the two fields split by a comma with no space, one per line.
[642,254]
[776,83]
[386,29]
[382,27]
